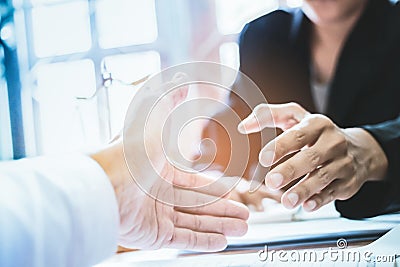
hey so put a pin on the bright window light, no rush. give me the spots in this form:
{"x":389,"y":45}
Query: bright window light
{"x":49,"y":2}
{"x":126,"y":22}
{"x":6,"y":152}
{"x":128,"y":68}
{"x":229,"y":54}
{"x":61,"y":29}
{"x":294,"y":3}
{"x":66,"y":124}
{"x":232,"y":15}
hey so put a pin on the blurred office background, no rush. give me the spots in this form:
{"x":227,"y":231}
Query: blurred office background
{"x":56,"y":51}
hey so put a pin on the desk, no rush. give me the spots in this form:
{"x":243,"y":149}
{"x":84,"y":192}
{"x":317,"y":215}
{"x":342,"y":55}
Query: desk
{"x":300,"y":236}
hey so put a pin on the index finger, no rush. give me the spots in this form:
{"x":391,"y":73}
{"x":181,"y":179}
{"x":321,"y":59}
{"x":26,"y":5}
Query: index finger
{"x":201,"y":204}
{"x":305,"y":133}
{"x":191,"y":240}
{"x":199,"y":182}
{"x":283,"y":116}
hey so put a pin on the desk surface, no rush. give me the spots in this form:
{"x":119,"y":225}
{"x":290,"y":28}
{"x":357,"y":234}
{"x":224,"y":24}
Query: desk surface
{"x":300,"y":236}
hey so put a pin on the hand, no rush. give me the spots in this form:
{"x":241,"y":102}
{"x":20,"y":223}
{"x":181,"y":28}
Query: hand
{"x":242,"y":192}
{"x":333,"y":163}
{"x":254,"y":199}
{"x":146,"y":222}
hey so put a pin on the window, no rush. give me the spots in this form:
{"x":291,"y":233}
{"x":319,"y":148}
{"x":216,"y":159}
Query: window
{"x":133,"y":17}
{"x":5,"y":127}
{"x":65,"y":47}
{"x":61,"y":114}
{"x":68,"y":42}
{"x":128,"y":67}
{"x":233,"y":14}
{"x":56,"y":33}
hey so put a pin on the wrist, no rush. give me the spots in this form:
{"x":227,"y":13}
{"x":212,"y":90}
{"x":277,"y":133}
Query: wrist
{"x":111,"y":160}
{"x":368,"y":153}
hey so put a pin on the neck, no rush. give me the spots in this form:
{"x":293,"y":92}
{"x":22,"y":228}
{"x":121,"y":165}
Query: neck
{"x":327,"y":42}
{"x":335,"y":33}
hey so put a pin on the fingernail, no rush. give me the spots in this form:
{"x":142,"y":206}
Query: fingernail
{"x":242,"y":125}
{"x":274,"y":180}
{"x":267,"y":158}
{"x":293,"y":198}
{"x":241,"y":128}
{"x":310,"y":205}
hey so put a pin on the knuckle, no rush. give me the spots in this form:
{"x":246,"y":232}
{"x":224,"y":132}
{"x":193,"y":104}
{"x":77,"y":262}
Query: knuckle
{"x":323,"y":176}
{"x":176,"y":219}
{"x":340,"y":143}
{"x":321,"y":120}
{"x":220,"y":227}
{"x":311,"y":119}
{"x":349,"y":163}
{"x":330,"y":195}
{"x":326,"y":121}
{"x":178,"y":197}
{"x":313,"y":157}
{"x":349,"y":159}
{"x":290,"y":171}
{"x":314,"y":118}
{"x":197,"y":222}
{"x":260,"y":109}
{"x":192,"y":181}
{"x":295,"y":107}
{"x":298,"y":136}
{"x":189,"y":181}
{"x":280,"y":148}
{"x":305,"y":192}
{"x":193,"y":240}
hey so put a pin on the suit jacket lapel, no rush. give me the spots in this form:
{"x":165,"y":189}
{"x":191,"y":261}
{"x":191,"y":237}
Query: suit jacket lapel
{"x":356,"y":63}
{"x":299,"y":38}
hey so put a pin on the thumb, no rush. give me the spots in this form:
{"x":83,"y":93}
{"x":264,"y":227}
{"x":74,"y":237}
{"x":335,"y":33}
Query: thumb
{"x":283,"y":116}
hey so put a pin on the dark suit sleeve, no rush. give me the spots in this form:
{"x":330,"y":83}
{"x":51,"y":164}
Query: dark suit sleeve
{"x":385,"y":195}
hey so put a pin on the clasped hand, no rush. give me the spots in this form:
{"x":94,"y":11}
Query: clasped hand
{"x":315,"y":160}
{"x":159,"y":204}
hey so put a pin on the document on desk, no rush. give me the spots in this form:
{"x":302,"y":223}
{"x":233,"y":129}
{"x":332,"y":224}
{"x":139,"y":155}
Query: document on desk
{"x":280,"y":227}
{"x":313,"y":231}
{"x":381,"y":253}
{"x":289,"y":230}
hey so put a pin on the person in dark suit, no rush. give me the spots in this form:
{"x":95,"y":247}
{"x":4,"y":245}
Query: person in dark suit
{"x":338,"y":58}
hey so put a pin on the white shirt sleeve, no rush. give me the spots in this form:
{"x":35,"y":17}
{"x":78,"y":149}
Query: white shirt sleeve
{"x":56,"y":212}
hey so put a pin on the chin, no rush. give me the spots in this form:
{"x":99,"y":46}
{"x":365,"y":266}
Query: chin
{"x":330,"y":11}
{"x":321,"y":15}
{"x":325,"y":11}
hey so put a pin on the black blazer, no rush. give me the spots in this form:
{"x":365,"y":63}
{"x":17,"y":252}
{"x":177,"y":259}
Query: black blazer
{"x":365,"y":90}
{"x":274,"y":52}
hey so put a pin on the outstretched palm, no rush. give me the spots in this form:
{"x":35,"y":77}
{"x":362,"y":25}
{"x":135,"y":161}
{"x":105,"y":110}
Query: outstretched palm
{"x":163,"y":206}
